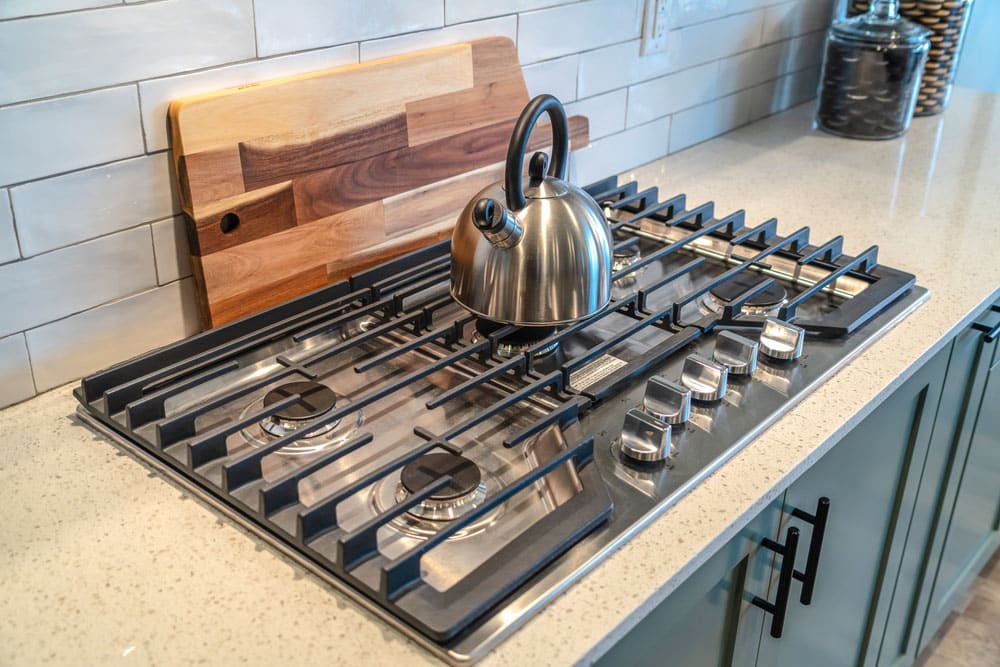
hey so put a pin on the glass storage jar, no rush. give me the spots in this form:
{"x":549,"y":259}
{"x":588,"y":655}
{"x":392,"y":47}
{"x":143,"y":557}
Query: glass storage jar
{"x":947,"y":21}
{"x":871,"y":73}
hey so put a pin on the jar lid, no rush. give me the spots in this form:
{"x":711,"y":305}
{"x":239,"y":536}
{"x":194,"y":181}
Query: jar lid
{"x":882,"y":25}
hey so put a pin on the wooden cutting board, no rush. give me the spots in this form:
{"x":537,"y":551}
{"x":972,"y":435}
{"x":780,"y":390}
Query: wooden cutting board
{"x":290,"y":184}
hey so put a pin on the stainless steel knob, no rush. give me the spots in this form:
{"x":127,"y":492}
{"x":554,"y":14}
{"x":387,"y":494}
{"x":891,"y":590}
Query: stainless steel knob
{"x":736,"y":353}
{"x":644,"y":437}
{"x":706,"y":379}
{"x":667,"y":401}
{"x":781,"y":340}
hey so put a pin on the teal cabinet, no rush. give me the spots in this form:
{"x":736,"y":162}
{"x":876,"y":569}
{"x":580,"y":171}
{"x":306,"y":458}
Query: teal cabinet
{"x":709,"y":619}
{"x":966,"y":533}
{"x":871,"y":479}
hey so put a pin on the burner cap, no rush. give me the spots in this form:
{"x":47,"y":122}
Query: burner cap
{"x":465,"y":475}
{"x":774,"y":295}
{"x":522,"y":337}
{"x":315,"y":399}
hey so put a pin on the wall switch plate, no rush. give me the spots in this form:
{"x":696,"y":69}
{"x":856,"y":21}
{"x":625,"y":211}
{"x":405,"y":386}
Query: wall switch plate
{"x":655,"y":26}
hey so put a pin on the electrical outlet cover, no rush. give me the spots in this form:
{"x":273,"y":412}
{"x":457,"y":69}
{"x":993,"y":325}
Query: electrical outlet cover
{"x":655,"y":26}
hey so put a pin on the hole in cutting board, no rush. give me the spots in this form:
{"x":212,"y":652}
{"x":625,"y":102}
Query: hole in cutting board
{"x":229,"y":223}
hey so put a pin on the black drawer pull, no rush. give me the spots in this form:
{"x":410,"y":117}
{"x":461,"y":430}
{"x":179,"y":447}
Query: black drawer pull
{"x":780,"y":605}
{"x":818,"y":522}
{"x":991,"y":332}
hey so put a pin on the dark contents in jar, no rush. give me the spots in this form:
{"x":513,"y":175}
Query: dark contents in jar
{"x":868,"y":92}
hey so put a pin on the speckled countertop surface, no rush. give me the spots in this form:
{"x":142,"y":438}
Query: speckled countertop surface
{"x":102,"y":560}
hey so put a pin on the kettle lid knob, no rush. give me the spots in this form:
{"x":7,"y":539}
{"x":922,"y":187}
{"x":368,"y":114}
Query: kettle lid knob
{"x":537,"y":167}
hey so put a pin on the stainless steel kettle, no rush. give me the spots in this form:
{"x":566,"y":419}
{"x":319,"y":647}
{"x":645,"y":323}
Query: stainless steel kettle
{"x":545,"y":257}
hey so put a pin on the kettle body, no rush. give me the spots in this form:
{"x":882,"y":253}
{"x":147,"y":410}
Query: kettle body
{"x":537,"y":255}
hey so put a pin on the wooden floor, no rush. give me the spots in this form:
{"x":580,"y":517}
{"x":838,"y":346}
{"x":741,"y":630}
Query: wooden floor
{"x":971,"y":637}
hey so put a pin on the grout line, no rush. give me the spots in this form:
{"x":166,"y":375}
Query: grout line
{"x":31,"y":365}
{"x":76,"y":170}
{"x":13,"y":223}
{"x":253,"y":24}
{"x":109,"y":4}
{"x":142,"y":123}
{"x":152,"y":248}
{"x":99,"y":237}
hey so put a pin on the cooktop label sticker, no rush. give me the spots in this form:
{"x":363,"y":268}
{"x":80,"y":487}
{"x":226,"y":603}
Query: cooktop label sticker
{"x":595,"y":371}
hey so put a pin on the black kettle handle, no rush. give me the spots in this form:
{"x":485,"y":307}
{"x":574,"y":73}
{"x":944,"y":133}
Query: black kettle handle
{"x":519,"y":144}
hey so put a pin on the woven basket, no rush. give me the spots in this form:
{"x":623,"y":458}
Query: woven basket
{"x":947,"y":20}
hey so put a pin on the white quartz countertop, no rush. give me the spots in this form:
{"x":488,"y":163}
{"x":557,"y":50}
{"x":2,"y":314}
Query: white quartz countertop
{"x":103,"y":560}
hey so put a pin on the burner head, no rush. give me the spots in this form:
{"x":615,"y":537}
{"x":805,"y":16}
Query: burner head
{"x":315,"y":399}
{"x":762,"y":303}
{"x":466,"y":477}
{"x":517,"y":342}
{"x":621,"y":260}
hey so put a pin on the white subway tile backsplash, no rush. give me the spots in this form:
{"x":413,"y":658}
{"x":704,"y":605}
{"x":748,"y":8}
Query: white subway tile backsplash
{"x":769,"y":62}
{"x":785,"y":92}
{"x":50,"y":286}
{"x":70,"y":52}
{"x":703,"y":122}
{"x":457,"y":11}
{"x":295,"y":25}
{"x":84,"y":204}
{"x":606,"y":112}
{"x":559,"y":31}
{"x":715,"y":39}
{"x":8,"y":239}
{"x":43,"y":138}
{"x":621,"y":152}
{"x":620,"y":65}
{"x":555,"y":77}
{"x":170,"y":246}
{"x":155,"y":95}
{"x":790,"y":19}
{"x":15,"y":371}
{"x":671,"y":93}
{"x":12,"y":9}
{"x":84,"y":343}
{"x":505,"y":26}
{"x":688,"y":12}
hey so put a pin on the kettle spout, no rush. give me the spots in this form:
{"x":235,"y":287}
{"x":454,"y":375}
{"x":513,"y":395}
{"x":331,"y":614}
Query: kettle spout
{"x":496,"y":223}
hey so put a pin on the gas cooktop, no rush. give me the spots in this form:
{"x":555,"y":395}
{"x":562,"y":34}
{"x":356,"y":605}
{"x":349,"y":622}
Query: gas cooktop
{"x":454,"y":474}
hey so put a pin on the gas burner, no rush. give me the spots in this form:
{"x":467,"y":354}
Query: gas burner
{"x":464,"y":493}
{"x":315,"y":399}
{"x":765,"y":303}
{"x":359,"y":326}
{"x":517,"y":342}
{"x":621,"y":260}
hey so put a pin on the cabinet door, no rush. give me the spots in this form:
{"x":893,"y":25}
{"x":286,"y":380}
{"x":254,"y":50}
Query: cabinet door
{"x":968,"y":523}
{"x":708,"y":621}
{"x":871,"y":478}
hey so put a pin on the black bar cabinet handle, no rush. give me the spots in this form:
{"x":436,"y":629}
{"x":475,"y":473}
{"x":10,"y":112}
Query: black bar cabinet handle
{"x":991,"y":332}
{"x":778,"y":608}
{"x":818,"y":522}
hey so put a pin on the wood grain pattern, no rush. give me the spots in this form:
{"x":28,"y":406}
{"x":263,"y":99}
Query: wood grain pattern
{"x":330,"y":191}
{"x":436,"y":202}
{"x":441,"y":116}
{"x":358,"y":261}
{"x":494,"y":59}
{"x":257,"y":296}
{"x":279,"y":256}
{"x":271,"y":108}
{"x":209,"y":176}
{"x":274,"y":159}
{"x":334,"y":171}
{"x":258,"y":214}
